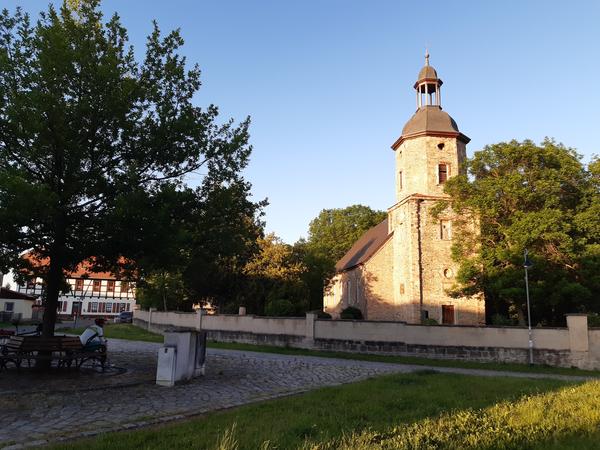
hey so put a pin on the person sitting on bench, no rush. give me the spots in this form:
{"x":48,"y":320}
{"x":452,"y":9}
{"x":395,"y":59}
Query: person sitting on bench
{"x":92,"y":337}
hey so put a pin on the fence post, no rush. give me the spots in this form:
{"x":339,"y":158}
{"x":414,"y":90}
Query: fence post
{"x":150,"y":310}
{"x":578,"y":340}
{"x":199,"y":315}
{"x":310,"y":328}
{"x":578,"y":332}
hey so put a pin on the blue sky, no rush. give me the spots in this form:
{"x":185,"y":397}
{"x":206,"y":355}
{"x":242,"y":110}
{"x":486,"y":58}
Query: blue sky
{"x":328,"y":83}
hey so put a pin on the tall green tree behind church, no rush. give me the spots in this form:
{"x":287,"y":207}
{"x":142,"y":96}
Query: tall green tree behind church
{"x":330,"y":235}
{"x":85,"y":129}
{"x":536,"y":197}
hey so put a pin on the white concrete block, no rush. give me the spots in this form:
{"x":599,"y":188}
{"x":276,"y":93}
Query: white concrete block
{"x":165,"y":369}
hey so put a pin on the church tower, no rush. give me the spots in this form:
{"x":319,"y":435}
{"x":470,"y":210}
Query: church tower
{"x":402,"y":269}
{"x":430,"y":150}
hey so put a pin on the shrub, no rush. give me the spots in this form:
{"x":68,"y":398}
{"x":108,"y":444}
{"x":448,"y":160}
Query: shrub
{"x":323,"y":315}
{"x":351,"y":313}
{"x":429,"y":322}
{"x":280,"y":308}
{"x":500,"y":320}
{"x":594,"y":320}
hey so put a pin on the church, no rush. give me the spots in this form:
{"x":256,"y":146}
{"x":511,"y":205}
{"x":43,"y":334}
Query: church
{"x":401,"y":269}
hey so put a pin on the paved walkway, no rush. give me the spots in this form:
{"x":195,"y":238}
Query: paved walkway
{"x":37,"y":411}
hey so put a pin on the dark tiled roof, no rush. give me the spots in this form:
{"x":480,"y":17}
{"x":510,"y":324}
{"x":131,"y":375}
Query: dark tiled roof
{"x":430,"y":119}
{"x":14,"y":295}
{"x":427,"y":72}
{"x":365,"y":247}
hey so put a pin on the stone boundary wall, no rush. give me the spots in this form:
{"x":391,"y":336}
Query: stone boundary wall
{"x":574,"y":346}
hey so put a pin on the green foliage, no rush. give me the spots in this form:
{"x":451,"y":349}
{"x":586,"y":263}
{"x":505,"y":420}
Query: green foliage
{"x":323,"y":315}
{"x":594,"y":320}
{"x":500,"y":320}
{"x":351,"y":313}
{"x":280,"y":308}
{"x":94,"y":148}
{"x":429,"y":321}
{"x":540,"y":198}
{"x":331,"y":234}
{"x":274,"y":284}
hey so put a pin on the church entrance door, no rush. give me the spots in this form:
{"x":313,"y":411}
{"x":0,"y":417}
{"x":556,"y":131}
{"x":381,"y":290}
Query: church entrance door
{"x":448,"y":314}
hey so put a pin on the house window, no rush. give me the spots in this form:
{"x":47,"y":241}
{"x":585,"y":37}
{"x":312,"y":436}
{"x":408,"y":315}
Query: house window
{"x":94,"y":307}
{"x":124,"y":286}
{"x":442,"y":173}
{"x":59,"y":306}
{"x":89,"y":308}
{"x":109,"y":307}
{"x":9,"y":306}
{"x":400,"y":180}
{"x":110,"y":286}
{"x":64,"y":306}
{"x":79,"y":285}
{"x":96,"y":285}
{"x":445,"y":230}
{"x":127,"y":306}
{"x":30,"y":285}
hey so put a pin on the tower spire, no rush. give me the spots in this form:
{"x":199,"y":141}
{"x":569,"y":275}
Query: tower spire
{"x":426,"y":56}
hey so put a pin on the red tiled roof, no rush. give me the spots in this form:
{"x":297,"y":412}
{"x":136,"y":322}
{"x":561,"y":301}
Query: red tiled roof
{"x":83,"y":270}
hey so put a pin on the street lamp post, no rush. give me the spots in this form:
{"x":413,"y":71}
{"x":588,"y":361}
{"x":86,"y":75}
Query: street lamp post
{"x":527,"y":264}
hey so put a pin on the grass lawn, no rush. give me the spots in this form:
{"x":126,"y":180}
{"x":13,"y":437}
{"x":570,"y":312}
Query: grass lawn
{"x":121,"y":331}
{"x":420,"y":410}
{"x":134,"y":333}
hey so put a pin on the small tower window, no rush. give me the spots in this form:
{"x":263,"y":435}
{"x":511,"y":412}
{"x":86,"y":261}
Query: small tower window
{"x":442,"y":173}
{"x":445,"y":230}
{"x":441,"y":146}
{"x":400,"y":180}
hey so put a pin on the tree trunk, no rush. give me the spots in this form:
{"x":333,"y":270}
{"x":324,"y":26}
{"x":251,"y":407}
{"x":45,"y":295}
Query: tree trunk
{"x":54,"y":280}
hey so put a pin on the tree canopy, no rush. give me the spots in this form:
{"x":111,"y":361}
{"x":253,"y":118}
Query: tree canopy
{"x":87,"y":133}
{"x":330,"y":235}
{"x":536,"y":197}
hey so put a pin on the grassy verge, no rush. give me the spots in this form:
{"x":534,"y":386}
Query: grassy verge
{"x":479,"y":412}
{"x":569,"y":418}
{"x":121,"y":331}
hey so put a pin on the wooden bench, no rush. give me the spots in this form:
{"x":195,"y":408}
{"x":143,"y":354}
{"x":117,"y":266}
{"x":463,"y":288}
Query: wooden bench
{"x":66,"y":350}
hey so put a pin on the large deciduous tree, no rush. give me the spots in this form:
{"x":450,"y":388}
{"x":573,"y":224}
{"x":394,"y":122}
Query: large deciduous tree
{"x":536,"y":197}
{"x":85,"y":130}
{"x":330,"y":235}
{"x":274,"y":283}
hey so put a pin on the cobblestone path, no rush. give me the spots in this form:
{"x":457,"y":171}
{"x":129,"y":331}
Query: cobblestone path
{"x":85,"y":404}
